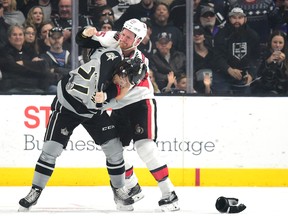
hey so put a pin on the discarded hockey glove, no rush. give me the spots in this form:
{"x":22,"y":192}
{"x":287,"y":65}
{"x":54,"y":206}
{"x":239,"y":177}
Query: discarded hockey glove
{"x":229,"y":205}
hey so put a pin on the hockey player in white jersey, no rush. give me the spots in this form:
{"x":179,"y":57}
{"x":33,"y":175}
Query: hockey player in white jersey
{"x":136,"y":111}
{"x":75,"y":105}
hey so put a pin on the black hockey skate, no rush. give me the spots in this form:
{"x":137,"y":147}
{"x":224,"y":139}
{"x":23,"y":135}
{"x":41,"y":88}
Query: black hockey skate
{"x":170,"y":203}
{"x":136,"y":193}
{"x":122,"y":199}
{"x":30,"y":199}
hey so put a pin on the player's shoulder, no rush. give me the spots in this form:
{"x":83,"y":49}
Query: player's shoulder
{"x":140,"y":55}
{"x":106,"y":53}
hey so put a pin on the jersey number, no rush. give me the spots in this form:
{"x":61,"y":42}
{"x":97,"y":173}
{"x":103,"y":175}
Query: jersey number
{"x":85,"y":76}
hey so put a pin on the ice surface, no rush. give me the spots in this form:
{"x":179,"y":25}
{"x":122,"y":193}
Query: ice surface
{"x":98,"y":201}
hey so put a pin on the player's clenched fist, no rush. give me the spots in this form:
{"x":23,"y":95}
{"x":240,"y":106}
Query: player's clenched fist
{"x":100,"y":97}
{"x":89,"y":31}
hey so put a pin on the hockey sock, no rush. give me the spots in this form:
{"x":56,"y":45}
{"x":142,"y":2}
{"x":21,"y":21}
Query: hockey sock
{"x":130,"y":177}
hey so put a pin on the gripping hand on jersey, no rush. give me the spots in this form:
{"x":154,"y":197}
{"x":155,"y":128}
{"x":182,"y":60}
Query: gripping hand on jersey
{"x":100,"y":97}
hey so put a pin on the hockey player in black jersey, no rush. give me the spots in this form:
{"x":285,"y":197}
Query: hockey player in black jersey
{"x":75,"y":105}
{"x":136,"y":112}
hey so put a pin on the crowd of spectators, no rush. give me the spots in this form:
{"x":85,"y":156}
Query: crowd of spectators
{"x":240,"y":46}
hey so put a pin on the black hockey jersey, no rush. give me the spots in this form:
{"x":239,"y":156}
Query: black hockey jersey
{"x":76,"y":91}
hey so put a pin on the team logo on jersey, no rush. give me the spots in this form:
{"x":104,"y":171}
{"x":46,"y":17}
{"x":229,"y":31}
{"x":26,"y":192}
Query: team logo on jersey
{"x":239,"y":50}
{"x":64,"y":131}
{"x":138,"y":129}
{"x":111,"y":56}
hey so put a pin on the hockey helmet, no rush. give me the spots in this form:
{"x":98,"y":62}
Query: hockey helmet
{"x":137,"y":27}
{"x":134,"y":69}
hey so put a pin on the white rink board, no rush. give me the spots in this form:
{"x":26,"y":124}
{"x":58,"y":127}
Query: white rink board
{"x":192,"y":132}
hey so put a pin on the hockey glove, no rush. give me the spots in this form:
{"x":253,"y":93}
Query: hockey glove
{"x":229,"y":205}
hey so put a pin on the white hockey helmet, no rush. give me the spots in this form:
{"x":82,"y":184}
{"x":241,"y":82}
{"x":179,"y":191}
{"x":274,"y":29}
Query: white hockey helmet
{"x":137,"y":27}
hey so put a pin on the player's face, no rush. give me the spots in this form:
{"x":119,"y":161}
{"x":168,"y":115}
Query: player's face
{"x":126,"y":39}
{"x":121,"y":81}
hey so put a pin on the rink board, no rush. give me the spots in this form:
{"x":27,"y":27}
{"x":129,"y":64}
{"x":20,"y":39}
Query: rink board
{"x":179,"y":177}
{"x":206,"y":141}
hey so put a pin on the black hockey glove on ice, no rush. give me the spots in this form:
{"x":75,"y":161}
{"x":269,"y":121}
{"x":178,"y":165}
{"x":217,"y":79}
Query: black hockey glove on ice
{"x":229,"y":205}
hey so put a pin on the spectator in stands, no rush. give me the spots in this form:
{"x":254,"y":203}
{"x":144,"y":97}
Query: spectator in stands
{"x":208,"y":22}
{"x":30,"y":40}
{"x":279,"y":3}
{"x":94,"y":6}
{"x":273,"y":72}
{"x":180,"y":83}
{"x":64,"y":20}
{"x":49,"y":7}
{"x":160,"y":23}
{"x":236,"y":53}
{"x":120,"y":6}
{"x":105,"y":13}
{"x":166,"y":60}
{"x":283,"y":11}
{"x":29,"y":33}
{"x":35,"y":17}
{"x":178,"y":14}
{"x":145,"y":8}
{"x":11,"y":15}
{"x":262,"y":16}
{"x":102,"y":17}
{"x":203,"y":62}
{"x":57,"y":58}
{"x":152,"y":78}
{"x":106,"y":25}
{"x":22,"y":71}
{"x":43,"y":41}
{"x":3,"y":28}
{"x":146,"y":46}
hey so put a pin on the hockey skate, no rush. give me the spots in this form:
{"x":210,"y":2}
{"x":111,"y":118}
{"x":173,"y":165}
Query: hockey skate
{"x":30,"y":199}
{"x":136,"y":193}
{"x":169,"y":203}
{"x":122,"y":199}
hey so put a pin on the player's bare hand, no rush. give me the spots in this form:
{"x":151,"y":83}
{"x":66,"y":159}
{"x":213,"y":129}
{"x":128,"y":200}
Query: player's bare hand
{"x":99,"y":97}
{"x":89,"y":31}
